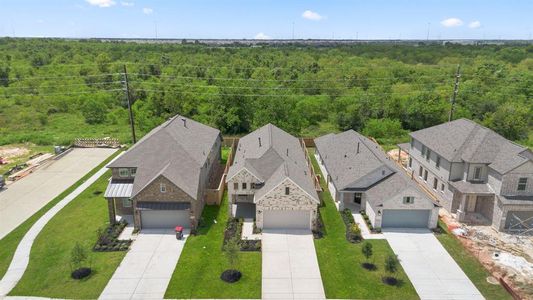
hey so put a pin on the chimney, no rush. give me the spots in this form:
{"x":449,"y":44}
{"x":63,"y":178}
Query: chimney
{"x":259,"y":142}
{"x":184,"y":122}
{"x":357,"y":147}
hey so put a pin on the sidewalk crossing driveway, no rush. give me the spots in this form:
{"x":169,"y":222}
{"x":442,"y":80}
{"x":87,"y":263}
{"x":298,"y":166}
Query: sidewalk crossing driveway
{"x":147,"y":268}
{"x":432,"y":271}
{"x":289,"y":266}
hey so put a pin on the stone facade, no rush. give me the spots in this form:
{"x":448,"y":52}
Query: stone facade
{"x":276,"y":199}
{"x":152,"y":193}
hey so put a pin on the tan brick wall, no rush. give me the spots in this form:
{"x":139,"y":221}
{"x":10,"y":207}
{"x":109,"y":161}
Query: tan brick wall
{"x":277,"y":200}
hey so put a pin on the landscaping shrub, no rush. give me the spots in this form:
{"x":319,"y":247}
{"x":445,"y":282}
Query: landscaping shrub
{"x":234,"y":230}
{"x":107,"y":239}
{"x":353,"y":232}
{"x":318,"y":233}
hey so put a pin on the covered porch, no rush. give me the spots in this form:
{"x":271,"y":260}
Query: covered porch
{"x":474,"y":202}
{"x":352,"y":200}
{"x":120,"y":205}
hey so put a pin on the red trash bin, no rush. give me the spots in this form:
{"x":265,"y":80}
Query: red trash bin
{"x":179,"y":232}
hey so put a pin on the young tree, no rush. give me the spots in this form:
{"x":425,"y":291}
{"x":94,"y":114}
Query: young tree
{"x":391,"y":266}
{"x":367,"y":250}
{"x":78,"y":256}
{"x":231,"y":250}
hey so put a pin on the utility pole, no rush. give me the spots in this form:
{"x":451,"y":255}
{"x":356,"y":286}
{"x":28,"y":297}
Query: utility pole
{"x":455,"y":91}
{"x":128,"y":98}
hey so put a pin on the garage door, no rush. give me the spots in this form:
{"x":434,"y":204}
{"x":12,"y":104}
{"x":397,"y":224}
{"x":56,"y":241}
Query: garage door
{"x":405,"y":218}
{"x":165,"y":218}
{"x":287,"y":219}
{"x":519,"y":220}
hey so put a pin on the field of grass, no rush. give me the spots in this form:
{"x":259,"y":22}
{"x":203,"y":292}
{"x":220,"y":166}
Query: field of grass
{"x":48,"y":273}
{"x":340,"y":261}
{"x":471,"y":266}
{"x":9,"y":243}
{"x":197,"y":274}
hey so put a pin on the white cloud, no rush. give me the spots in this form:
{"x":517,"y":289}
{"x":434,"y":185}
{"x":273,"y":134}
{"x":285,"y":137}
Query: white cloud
{"x":262,"y":36}
{"x":101,"y":3}
{"x":124,"y":3}
{"x":452,"y":22}
{"x":311,"y":15}
{"x":474,"y":24}
{"x":147,"y":11}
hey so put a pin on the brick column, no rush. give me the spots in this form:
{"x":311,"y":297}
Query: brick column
{"x":111,"y":210}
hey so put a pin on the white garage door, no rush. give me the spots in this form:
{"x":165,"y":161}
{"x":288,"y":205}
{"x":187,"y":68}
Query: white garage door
{"x":403,"y":218}
{"x":287,"y":219}
{"x":165,"y":218}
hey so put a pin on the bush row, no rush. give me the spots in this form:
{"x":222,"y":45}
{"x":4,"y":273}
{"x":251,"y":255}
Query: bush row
{"x":368,"y":223}
{"x":353,"y":232}
{"x":234,"y":229}
{"x":107,"y":239}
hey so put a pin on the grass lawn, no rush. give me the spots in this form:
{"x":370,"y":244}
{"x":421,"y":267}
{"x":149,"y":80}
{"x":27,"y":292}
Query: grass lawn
{"x":48,"y":273}
{"x":197,"y":274}
{"x":9,"y":243}
{"x":340,"y":261}
{"x":471,"y":266}
{"x":224,"y":155}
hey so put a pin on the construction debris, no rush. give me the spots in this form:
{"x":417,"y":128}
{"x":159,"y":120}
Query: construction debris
{"x":106,"y":142}
{"x":516,"y":263}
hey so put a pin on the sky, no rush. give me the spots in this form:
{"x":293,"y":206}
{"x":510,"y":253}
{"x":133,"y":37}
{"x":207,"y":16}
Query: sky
{"x":261,"y":19}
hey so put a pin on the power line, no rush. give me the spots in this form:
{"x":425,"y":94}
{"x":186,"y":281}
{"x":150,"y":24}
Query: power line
{"x":61,"y":85}
{"x":58,"y":77}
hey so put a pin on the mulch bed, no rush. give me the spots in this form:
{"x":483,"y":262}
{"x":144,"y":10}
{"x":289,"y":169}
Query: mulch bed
{"x":369,"y":266}
{"x":81,"y":273}
{"x":231,"y":276}
{"x":108,"y":239}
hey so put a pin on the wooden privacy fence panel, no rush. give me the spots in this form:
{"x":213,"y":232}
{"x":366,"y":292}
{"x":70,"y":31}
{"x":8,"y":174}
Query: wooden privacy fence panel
{"x":97,"y":143}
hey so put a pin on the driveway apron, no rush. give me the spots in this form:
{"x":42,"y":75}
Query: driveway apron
{"x":432,"y":271}
{"x":147,"y":268}
{"x":290,"y":266}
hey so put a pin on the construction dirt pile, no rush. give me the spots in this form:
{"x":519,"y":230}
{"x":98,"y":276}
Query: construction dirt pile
{"x":13,"y":152}
{"x":404,"y":157}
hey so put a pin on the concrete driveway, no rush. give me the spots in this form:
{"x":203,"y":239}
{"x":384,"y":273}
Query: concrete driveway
{"x":26,"y":196}
{"x":290,"y":267}
{"x":147,"y":268}
{"x":432,"y":271}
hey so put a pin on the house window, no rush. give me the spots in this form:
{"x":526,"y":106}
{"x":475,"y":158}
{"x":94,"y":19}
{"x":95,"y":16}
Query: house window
{"x":477,"y":173}
{"x":442,"y":187}
{"x":428,"y":154}
{"x":357,"y":198}
{"x":423,"y":150}
{"x":435,"y":183}
{"x":412,"y":143}
{"x":420,"y":170}
{"x":126,"y":202}
{"x":244,"y":185}
{"x":287,"y":190}
{"x":133,"y":171}
{"x":235,"y":185}
{"x":425,"y":175}
{"x":408,"y":200}
{"x":122,"y":172}
{"x":437,"y":162}
{"x":163,"y":188}
{"x":522,"y":182}
{"x":410,"y":162}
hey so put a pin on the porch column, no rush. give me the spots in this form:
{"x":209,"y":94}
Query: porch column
{"x":461,"y":212}
{"x":111,"y":210}
{"x":341,"y":201}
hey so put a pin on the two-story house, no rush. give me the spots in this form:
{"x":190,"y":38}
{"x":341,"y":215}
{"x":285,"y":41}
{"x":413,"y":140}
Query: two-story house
{"x":360,"y":176}
{"x":160,"y":182}
{"x":270,"y":180}
{"x":476,"y":173}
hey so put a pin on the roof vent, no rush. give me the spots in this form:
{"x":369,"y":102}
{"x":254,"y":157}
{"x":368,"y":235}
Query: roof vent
{"x":345,"y":155}
{"x":259,"y":142}
{"x":184,"y":122}
{"x":357,"y":147}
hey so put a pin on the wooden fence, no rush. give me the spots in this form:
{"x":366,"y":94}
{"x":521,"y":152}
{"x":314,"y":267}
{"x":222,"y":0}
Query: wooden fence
{"x":97,"y":143}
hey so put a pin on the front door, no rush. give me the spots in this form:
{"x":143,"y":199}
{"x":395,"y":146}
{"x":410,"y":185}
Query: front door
{"x":471,"y":204}
{"x":357,"y":198}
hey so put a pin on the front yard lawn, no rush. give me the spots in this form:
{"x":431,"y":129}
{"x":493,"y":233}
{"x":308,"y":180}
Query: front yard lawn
{"x":197,"y":274}
{"x":48,"y":273}
{"x":471,"y":266}
{"x":9,"y":243}
{"x":340,"y":261}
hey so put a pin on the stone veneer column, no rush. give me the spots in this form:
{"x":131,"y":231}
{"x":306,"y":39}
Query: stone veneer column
{"x":111,"y":210}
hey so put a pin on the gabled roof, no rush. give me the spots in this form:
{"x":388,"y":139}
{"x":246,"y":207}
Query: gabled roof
{"x":353,"y":161}
{"x":176,"y":150}
{"x":273,"y":155}
{"x":465,"y":140}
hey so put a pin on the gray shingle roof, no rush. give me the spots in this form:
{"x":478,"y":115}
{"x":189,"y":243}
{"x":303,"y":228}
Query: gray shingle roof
{"x":177,"y":150}
{"x":368,"y":170}
{"x":273,"y":155}
{"x":348,"y":168}
{"x":465,"y":140}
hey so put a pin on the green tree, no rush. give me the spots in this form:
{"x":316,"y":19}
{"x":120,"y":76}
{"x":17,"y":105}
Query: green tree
{"x":78,"y":256}
{"x":94,"y":111}
{"x":511,"y":120}
{"x":367,"y":250}
{"x":231,"y":251}
{"x":383,"y":128}
{"x":391,"y":264}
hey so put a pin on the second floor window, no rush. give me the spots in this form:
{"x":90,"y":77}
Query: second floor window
{"x":435,"y":183}
{"x":420,"y":170}
{"x":235,"y":185}
{"x":423,"y":150}
{"x":287,"y":190}
{"x":133,"y":171}
{"x":425,"y":175}
{"x":477,"y":173}
{"x":410,"y":162}
{"x":442,"y":187}
{"x":437,"y":162}
{"x":408,"y":200}
{"x":428,"y":154}
{"x":522,"y":183}
{"x":123,"y":172}
{"x":244,"y":186}
{"x":163,"y":188}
